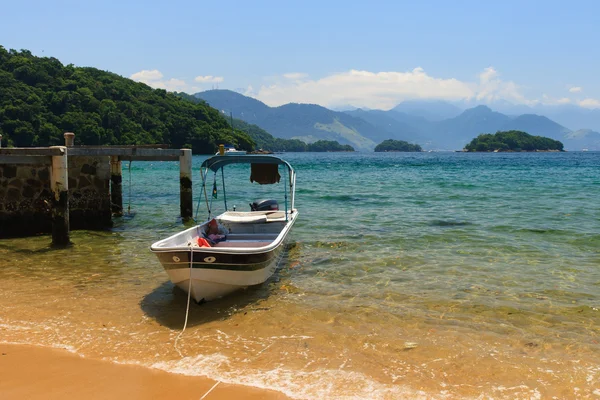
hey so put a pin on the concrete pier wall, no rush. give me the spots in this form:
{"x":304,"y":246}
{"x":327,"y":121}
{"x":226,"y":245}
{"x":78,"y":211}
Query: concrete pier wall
{"x":25,"y":200}
{"x":55,"y":189}
{"x":26,"y":196}
{"x":89,"y":193}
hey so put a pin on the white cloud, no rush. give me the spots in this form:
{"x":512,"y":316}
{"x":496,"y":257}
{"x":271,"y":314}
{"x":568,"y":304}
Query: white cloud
{"x":492,"y":88}
{"x":209,"y":79}
{"x":384,"y":90}
{"x":146,"y":76}
{"x":154,"y":79}
{"x":295,"y":75}
{"x":589,"y":103}
{"x":376,"y":90}
{"x":553,"y":101}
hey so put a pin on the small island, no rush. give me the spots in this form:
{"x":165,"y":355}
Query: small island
{"x":514,"y":141}
{"x":397,"y":145}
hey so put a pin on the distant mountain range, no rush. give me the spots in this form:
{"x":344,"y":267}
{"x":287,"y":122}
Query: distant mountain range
{"x":435,"y":125}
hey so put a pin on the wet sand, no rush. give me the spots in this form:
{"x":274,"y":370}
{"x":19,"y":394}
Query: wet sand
{"x":30,"y":372}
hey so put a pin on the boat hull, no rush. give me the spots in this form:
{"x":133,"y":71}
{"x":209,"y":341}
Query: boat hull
{"x":244,"y":259}
{"x":215,"y":279}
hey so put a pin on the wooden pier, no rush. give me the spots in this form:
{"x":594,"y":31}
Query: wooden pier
{"x":57,"y":158}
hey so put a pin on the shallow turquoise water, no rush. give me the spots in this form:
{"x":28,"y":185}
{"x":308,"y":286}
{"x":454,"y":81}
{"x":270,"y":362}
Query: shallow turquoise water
{"x":429,"y":274}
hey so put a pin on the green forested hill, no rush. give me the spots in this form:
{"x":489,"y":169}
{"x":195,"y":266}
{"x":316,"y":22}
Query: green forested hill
{"x":40,"y":99}
{"x":397,"y":145}
{"x":513,"y":141}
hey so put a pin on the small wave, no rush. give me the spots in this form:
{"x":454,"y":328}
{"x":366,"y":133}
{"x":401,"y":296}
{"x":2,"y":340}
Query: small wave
{"x":319,"y":384}
{"x":540,"y":230}
{"x":441,"y":222}
{"x":341,"y":197}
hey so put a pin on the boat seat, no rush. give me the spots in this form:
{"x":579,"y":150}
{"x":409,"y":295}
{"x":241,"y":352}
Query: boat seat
{"x":243,"y":218}
{"x":252,"y":236}
{"x":242,"y":244}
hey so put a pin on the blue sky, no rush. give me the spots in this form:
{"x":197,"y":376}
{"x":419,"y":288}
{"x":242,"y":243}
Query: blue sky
{"x":372,"y":54}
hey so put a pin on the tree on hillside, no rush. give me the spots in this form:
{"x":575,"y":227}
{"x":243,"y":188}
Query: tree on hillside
{"x":397,"y":145}
{"x":40,"y":99}
{"x":513,"y":141}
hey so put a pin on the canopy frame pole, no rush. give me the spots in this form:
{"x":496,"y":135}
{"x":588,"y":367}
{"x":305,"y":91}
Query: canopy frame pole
{"x":224,"y":194}
{"x":212,"y":197}
{"x":286,"y":198}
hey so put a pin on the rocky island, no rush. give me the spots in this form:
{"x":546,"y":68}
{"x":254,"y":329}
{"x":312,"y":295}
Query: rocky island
{"x":515,"y":141}
{"x":397,"y":145}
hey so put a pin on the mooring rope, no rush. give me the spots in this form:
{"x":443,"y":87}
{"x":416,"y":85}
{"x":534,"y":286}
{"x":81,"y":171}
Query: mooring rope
{"x":129,"y":205}
{"x":210,"y":390}
{"x":187,"y":309}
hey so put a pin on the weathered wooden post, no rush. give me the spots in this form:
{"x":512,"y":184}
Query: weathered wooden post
{"x":59,"y":184}
{"x":185,"y":184}
{"x":116,"y":186}
{"x":69,"y":139}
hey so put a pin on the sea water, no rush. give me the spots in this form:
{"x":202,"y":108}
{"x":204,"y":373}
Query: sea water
{"x":408,"y":275}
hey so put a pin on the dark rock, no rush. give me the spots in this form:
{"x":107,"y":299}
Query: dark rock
{"x":16,"y":183}
{"x":88,"y":169}
{"x":83,"y":182}
{"x":34,"y":183}
{"x":9,"y":171}
{"x":11,"y":206}
{"x":46,"y":194}
{"x":29,"y":192}
{"x":13,"y":194}
{"x":44,"y":174}
{"x":101,"y":184}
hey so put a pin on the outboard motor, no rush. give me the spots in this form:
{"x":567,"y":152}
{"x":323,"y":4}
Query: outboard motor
{"x":264,"y":205}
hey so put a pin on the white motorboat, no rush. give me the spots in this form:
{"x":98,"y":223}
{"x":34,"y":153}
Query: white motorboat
{"x":250,"y":243}
{"x":231,"y":151}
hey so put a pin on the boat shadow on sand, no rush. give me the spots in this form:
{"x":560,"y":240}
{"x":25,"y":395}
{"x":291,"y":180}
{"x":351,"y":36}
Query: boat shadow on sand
{"x":167,"y":304}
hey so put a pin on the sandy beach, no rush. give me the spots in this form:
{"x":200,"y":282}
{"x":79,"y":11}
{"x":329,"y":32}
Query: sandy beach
{"x":31,"y":372}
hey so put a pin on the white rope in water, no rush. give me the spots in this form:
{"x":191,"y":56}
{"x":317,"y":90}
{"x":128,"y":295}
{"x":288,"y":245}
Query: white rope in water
{"x":215,"y":385}
{"x":187,"y":313}
{"x":187,"y":310}
{"x":210,"y":390}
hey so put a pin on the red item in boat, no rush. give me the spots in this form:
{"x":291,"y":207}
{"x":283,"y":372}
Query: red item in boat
{"x":203,"y":242}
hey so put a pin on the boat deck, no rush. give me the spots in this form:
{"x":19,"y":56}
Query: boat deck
{"x":247,"y":240}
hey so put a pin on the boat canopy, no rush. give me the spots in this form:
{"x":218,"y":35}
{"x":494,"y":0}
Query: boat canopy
{"x":217,"y":162}
{"x":260,"y":172}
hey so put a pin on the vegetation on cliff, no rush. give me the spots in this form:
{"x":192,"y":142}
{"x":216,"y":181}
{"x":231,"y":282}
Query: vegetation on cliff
{"x":40,"y":99}
{"x":513,"y":141}
{"x":397,"y":145}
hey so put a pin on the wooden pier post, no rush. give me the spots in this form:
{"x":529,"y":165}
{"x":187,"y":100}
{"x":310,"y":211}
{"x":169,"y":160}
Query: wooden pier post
{"x":59,"y":183}
{"x":185,"y":185}
{"x":116,"y":186}
{"x":69,"y":139}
